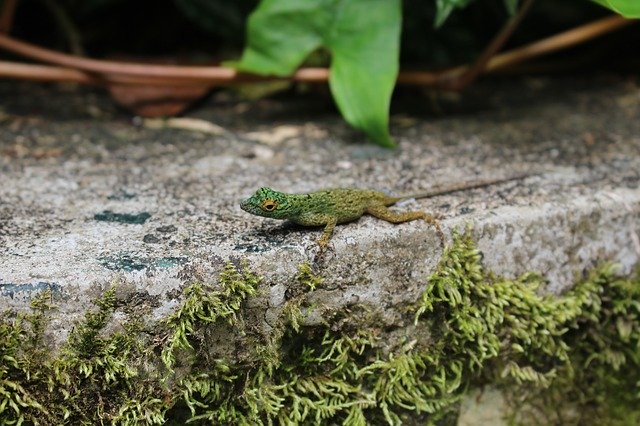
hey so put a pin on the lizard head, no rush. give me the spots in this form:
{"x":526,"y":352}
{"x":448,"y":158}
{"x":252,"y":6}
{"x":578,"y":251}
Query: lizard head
{"x":268,"y":203}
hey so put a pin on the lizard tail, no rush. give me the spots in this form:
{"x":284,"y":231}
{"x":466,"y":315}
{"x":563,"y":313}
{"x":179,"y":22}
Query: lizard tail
{"x":465,"y":186}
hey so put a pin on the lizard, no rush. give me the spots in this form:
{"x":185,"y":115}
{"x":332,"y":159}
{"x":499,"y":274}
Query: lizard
{"x":329,"y":207}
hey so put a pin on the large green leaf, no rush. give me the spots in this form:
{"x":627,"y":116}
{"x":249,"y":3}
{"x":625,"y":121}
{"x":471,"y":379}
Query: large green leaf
{"x":626,"y":8}
{"x":363,"y":37}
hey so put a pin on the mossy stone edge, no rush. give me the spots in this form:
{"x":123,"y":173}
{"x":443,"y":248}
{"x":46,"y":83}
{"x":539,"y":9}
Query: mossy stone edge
{"x":570,"y":359}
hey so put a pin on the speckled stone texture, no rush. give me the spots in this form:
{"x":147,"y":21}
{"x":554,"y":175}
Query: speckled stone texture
{"x":89,"y":196}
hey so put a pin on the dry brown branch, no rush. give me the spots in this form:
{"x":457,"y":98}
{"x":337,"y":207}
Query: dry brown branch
{"x":455,"y":81}
{"x":563,"y":40}
{"x":560,"y":41}
{"x":45,"y":73}
{"x":165,"y":73}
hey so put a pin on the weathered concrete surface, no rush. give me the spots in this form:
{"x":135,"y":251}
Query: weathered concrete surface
{"x":70,"y":162}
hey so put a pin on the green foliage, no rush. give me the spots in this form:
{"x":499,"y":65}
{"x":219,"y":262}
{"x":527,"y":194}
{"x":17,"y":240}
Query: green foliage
{"x":576,"y":355}
{"x":363,"y":37}
{"x":89,"y":381}
{"x":17,"y":402}
{"x":600,"y":383}
{"x":208,"y":389}
{"x":626,"y":8}
{"x":490,"y":318}
{"x":204,"y":305}
{"x":307,"y":278}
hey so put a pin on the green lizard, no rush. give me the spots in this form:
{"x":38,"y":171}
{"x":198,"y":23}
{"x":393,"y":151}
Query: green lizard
{"x":329,"y":207}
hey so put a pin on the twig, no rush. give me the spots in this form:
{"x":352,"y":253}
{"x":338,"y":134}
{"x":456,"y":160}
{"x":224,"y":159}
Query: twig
{"x":54,"y":73}
{"x":551,"y":44}
{"x":560,"y":41}
{"x":45,"y":73}
{"x":35,"y":72}
{"x":6,"y":16}
{"x":197,"y":74}
{"x":185,"y":123}
{"x":455,"y":81}
{"x":213,"y":74}
{"x":66,"y":25}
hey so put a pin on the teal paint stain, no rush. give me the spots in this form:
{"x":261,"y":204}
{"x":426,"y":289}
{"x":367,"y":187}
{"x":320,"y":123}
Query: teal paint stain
{"x":251,"y":248}
{"x":168,"y":262}
{"x":121,"y":195}
{"x":129,"y":263}
{"x":123,"y":262}
{"x":12,"y":289}
{"x":132,"y":219}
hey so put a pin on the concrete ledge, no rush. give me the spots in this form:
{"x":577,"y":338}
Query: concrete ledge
{"x":63,"y":222}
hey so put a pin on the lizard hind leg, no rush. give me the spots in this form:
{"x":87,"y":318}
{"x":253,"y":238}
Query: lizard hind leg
{"x":382,"y":212}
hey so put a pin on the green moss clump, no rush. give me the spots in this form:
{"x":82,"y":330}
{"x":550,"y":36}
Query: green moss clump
{"x":599,"y":383}
{"x":570,"y":359}
{"x":93,"y":378}
{"x":23,"y":333}
{"x":205,"y":305}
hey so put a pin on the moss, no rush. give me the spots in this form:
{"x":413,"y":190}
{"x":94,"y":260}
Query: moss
{"x":93,"y":377}
{"x":570,"y":359}
{"x":600,"y":381}
{"x":204,"y":305}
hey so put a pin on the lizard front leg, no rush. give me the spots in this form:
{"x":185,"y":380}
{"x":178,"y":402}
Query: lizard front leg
{"x":382,"y":212}
{"x":328,"y":230}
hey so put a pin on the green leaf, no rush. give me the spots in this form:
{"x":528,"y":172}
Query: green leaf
{"x":445,"y":7}
{"x":512,"y":6}
{"x":363,"y":37}
{"x":626,"y":8}
{"x":366,"y":46}
{"x":282,"y":33}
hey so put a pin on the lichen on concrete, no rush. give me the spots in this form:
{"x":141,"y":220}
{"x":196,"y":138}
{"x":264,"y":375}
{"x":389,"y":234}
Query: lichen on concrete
{"x":577,"y":353}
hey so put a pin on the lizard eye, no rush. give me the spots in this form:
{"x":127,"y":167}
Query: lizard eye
{"x":269,"y":205}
